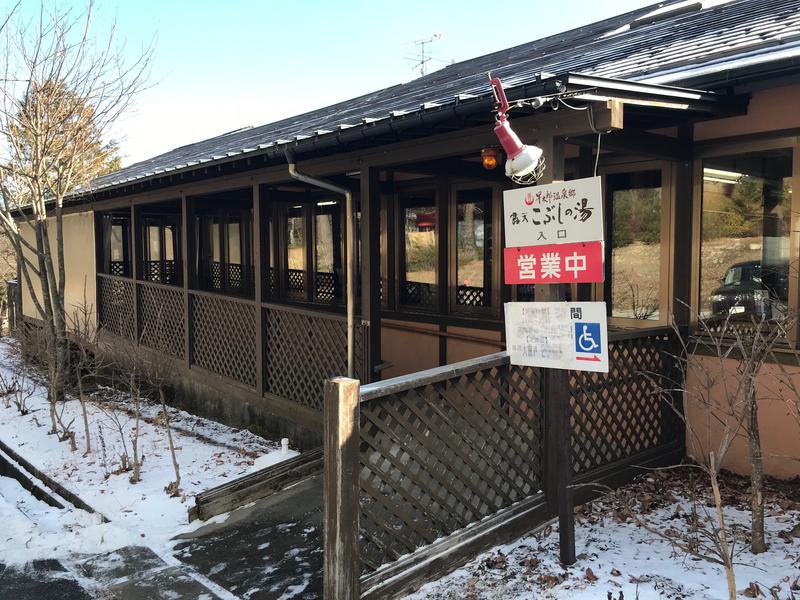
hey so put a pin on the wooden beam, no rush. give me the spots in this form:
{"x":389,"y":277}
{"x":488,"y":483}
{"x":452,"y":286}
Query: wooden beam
{"x":463,"y":141}
{"x":639,"y":142}
{"x":454,"y":167}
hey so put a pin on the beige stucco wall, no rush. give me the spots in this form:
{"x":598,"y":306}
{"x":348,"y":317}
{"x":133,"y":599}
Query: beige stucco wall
{"x":79,"y":263}
{"x":779,"y":424}
{"x":769,"y":110}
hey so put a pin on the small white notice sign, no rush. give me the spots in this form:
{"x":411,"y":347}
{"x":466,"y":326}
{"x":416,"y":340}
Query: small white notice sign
{"x":558,"y":335}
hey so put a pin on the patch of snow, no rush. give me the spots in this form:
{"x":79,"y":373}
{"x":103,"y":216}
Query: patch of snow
{"x":33,"y":529}
{"x":208,"y":453}
{"x":615,"y":556}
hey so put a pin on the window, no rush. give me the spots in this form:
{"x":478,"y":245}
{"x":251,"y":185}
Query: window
{"x":160,"y":234}
{"x":328,"y":271}
{"x":635,"y":220}
{"x":115,"y":252}
{"x":473,"y":247}
{"x":296,"y":253}
{"x":419,"y":251}
{"x":745,"y":225}
{"x":225,"y":257}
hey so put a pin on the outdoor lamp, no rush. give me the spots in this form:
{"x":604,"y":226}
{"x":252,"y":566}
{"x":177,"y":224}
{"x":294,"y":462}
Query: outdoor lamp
{"x":490,"y":157}
{"x":525,"y":164}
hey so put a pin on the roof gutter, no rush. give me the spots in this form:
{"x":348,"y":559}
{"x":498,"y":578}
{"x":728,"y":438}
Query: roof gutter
{"x":350,"y":231}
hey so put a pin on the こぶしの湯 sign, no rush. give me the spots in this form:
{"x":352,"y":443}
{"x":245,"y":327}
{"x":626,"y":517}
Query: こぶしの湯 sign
{"x":555,"y":213}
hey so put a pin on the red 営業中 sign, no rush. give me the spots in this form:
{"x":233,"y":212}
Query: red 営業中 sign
{"x":580,"y":262}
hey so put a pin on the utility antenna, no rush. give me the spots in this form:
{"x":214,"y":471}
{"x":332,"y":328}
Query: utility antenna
{"x":424,"y":57}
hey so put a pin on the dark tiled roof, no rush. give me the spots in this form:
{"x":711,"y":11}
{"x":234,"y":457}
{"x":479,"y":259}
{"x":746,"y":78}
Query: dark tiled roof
{"x":662,"y":43}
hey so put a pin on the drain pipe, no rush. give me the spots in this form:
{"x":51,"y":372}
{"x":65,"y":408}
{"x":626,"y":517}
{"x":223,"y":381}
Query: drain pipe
{"x":350,"y":232}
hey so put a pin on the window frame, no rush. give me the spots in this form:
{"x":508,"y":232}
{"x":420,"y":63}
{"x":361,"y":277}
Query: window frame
{"x":709,"y":149}
{"x":666,"y":271}
{"x":312,"y":243}
{"x":493,"y":308}
{"x":203,"y":216}
{"x":404,"y":199}
{"x":162,"y":221}
{"x":105,"y":222}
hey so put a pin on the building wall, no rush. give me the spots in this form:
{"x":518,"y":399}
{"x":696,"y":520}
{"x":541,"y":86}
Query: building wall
{"x":779,"y":423}
{"x":411,"y":346}
{"x":769,"y":110}
{"x":79,"y":264}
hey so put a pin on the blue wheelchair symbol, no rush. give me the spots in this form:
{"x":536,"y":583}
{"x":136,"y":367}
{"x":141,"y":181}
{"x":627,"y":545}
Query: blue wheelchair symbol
{"x":587,"y":338}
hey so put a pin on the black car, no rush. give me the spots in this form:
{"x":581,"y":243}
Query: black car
{"x":750,"y":289}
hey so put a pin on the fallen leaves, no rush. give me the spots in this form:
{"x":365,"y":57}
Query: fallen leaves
{"x":752,"y":591}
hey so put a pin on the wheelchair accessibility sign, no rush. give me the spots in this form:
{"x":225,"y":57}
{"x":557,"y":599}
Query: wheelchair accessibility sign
{"x":558,"y":335}
{"x":588,"y":341}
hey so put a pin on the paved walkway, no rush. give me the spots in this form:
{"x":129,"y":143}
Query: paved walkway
{"x":268,"y":551}
{"x":42,"y":580}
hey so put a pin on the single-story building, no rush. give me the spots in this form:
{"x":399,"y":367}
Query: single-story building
{"x":213,"y":255}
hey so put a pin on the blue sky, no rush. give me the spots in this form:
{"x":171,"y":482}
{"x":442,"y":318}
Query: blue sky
{"x":221,"y":65}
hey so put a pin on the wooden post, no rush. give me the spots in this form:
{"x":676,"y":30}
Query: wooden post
{"x":134,"y":245}
{"x":682,"y":226}
{"x":371,"y":268}
{"x":258,"y":283}
{"x":557,"y":394}
{"x":187,"y":253}
{"x":342,"y":564}
{"x":560,"y":447}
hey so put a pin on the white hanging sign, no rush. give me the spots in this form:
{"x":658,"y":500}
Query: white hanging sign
{"x":558,"y":335}
{"x":555,"y":213}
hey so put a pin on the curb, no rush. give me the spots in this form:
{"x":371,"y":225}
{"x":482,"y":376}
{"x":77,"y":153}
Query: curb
{"x":16,"y":468}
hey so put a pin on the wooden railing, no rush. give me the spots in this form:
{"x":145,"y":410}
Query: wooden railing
{"x":221,"y":334}
{"x":441,"y":464}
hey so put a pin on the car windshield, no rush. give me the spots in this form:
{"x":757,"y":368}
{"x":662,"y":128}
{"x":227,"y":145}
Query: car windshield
{"x":748,"y":273}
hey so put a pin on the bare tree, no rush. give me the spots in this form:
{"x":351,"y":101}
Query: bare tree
{"x":718,"y":370}
{"x":63,"y":89}
{"x":156,"y":373}
{"x":87,"y":356}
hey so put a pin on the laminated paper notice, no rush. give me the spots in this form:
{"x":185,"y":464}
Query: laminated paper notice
{"x":558,"y":335}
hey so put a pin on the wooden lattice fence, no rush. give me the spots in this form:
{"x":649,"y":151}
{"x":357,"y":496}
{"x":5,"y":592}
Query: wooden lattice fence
{"x":220,"y":334}
{"x":116,"y":310}
{"x":161,"y":311}
{"x":618,"y":414}
{"x":437,"y":456}
{"x":303,"y":348}
{"x":224,"y":337}
{"x":444,"y":463}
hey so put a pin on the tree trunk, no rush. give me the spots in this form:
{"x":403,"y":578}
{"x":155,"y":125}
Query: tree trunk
{"x":758,"y":543}
{"x":723,"y":534}
{"x":83,"y":411}
{"x":174,"y":487}
{"x":136,"y":465}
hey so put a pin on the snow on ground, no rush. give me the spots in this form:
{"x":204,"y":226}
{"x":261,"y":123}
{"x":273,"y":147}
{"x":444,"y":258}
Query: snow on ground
{"x":209,"y":454}
{"x":32,"y":529}
{"x":619,"y":560}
